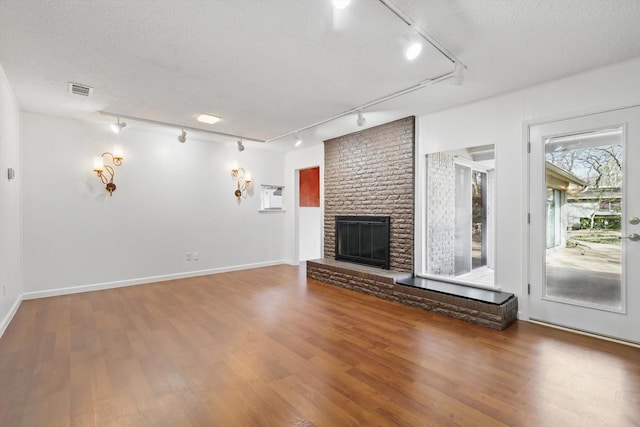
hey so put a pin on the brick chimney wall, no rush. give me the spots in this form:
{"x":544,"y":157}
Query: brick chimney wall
{"x":372,"y":173}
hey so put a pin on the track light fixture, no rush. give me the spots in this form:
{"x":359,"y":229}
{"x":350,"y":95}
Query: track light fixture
{"x":244,"y":182}
{"x":361,"y":120}
{"x":105,"y":172}
{"x":117,"y":127}
{"x":413,"y":50}
{"x":182,"y":137}
{"x":240,"y":145}
{"x":413,"y":42}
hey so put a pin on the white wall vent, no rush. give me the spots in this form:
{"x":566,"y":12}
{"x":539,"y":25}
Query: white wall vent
{"x":78,"y":89}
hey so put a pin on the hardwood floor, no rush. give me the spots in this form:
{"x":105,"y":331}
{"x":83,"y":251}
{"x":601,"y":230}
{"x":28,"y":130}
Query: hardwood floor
{"x":267,"y":347}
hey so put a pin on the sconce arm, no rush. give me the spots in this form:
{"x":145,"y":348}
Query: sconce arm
{"x":117,"y":161}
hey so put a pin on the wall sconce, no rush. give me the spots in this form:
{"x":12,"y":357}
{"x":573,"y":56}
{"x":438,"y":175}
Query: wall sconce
{"x":244,"y":182}
{"x":106,"y":172}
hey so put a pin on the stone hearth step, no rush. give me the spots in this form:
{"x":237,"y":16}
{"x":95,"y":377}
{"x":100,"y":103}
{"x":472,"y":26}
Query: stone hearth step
{"x":476,"y":294}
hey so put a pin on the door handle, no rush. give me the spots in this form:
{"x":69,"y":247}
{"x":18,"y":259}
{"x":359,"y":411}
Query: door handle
{"x":634,"y":220}
{"x":634,"y":237}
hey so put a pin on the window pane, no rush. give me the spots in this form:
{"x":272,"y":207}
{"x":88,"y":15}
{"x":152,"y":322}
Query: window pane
{"x":584,"y":199}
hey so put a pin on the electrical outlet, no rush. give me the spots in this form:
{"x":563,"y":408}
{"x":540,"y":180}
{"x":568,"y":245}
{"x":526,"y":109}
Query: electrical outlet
{"x":195,"y":256}
{"x":188,"y":256}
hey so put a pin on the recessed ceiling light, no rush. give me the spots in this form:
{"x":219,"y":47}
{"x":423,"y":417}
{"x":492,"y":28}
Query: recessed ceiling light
{"x":208,"y":118}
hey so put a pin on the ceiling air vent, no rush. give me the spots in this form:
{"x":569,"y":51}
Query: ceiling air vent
{"x":78,"y":89}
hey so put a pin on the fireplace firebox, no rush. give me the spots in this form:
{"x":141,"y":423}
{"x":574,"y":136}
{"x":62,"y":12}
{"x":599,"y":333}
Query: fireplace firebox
{"x":363,"y":240}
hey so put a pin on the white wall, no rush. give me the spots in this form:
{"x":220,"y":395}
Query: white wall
{"x":301,"y":158}
{"x":502,"y":121}
{"x":309,"y":232}
{"x":10,"y":205}
{"x":171,"y":199}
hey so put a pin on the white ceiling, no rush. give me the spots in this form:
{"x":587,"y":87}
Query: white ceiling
{"x":271,"y":67}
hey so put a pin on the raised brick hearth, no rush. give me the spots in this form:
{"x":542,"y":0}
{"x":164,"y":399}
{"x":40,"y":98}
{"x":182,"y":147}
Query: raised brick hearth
{"x":472,"y":307}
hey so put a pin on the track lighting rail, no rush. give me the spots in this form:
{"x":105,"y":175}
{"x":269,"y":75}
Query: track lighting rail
{"x":369,"y":104}
{"x":177,"y":126}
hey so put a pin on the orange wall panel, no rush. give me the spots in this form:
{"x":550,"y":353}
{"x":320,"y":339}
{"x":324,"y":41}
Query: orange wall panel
{"x":310,"y":187}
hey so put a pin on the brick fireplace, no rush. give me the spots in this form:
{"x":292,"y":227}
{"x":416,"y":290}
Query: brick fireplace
{"x":371,"y":173}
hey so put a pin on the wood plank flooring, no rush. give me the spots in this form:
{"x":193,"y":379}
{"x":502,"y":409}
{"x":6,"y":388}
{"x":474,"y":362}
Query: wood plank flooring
{"x":267,"y":347}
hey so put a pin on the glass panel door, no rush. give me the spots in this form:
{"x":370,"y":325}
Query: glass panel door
{"x":584,"y":237}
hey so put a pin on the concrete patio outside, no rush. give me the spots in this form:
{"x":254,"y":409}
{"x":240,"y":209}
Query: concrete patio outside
{"x":589,"y":272}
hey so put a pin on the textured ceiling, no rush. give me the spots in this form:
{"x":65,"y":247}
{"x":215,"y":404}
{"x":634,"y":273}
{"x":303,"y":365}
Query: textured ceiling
{"x":270,"y":67}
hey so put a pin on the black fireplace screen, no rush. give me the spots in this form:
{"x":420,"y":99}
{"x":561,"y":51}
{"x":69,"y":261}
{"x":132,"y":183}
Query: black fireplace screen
{"x":363,"y":240}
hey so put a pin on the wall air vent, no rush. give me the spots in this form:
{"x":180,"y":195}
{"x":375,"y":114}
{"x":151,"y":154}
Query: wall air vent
{"x":78,"y":89}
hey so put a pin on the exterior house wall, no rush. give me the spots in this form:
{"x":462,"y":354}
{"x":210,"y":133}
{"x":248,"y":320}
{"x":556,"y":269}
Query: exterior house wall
{"x":441,"y":215}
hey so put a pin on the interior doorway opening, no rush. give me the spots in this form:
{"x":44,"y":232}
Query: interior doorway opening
{"x":308,"y":214}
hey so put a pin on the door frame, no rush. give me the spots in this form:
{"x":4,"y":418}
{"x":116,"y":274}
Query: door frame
{"x":524,"y":312}
{"x":299,"y":235}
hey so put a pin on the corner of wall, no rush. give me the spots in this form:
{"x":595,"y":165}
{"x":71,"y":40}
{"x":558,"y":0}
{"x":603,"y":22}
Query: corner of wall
{"x":4,"y":324}
{"x":11,"y":240}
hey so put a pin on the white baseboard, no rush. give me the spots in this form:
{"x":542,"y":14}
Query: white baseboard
{"x":588,"y":334}
{"x":143,"y":280}
{"x":12,"y":312}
